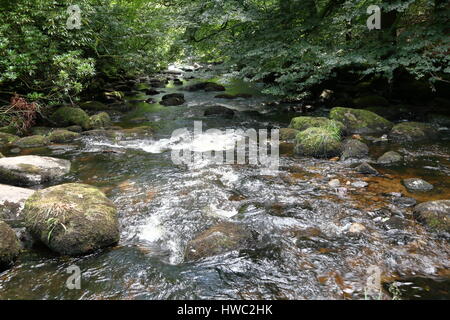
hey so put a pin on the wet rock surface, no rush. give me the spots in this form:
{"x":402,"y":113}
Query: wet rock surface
{"x":32,"y":170}
{"x":9,"y":246}
{"x":417,"y":185}
{"x":12,"y":201}
{"x":72,"y":219}
{"x":435,"y":214}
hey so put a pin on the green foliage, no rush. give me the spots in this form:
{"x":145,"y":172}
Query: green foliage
{"x":294,"y":45}
{"x":41,"y":55}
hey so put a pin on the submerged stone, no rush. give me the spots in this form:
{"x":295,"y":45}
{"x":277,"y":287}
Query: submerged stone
{"x":217,"y":240}
{"x":417,"y":185}
{"x":390,"y":157}
{"x":354,"y":149}
{"x":412,"y":132}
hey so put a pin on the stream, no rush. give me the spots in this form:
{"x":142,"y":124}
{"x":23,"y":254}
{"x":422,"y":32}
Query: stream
{"x":301,"y":246}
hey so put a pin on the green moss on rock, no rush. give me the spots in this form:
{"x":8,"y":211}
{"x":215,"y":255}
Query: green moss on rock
{"x":72,"y":219}
{"x":9,"y":246}
{"x":435,"y":214}
{"x":303,"y":123}
{"x":412,"y":132}
{"x":317,"y":142}
{"x":361,"y":121}
{"x":6,"y":138}
{"x":67,"y":116}
{"x":100,"y":120}
{"x":287,"y":134}
{"x":62,"y":136}
{"x":31,"y":142}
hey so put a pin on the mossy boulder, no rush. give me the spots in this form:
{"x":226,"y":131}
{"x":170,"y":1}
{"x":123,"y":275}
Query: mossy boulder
{"x":390,"y":157}
{"x":435,"y":214}
{"x":303,"y":123}
{"x":31,"y":142}
{"x":317,"y":142}
{"x":100,"y":120}
{"x":9,"y":246}
{"x":288,"y":134}
{"x":32,"y":170}
{"x":93,"y":106}
{"x":217,"y":240}
{"x":67,"y":116}
{"x":6,"y":138}
{"x":62,"y":136}
{"x":370,"y":101}
{"x":412,"y":132}
{"x":72,"y":219}
{"x":354,"y":149}
{"x":361,"y":121}
{"x":41,"y":131}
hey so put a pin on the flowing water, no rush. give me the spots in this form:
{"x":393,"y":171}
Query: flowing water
{"x":301,"y":246}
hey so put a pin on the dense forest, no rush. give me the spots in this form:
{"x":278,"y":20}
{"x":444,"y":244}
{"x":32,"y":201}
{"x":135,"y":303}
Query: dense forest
{"x":293,"y":46}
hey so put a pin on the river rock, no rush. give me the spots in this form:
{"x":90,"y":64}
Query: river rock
{"x":412,"y":132}
{"x":31,"y":142}
{"x":288,"y":134}
{"x":219,"y":110}
{"x":12,"y":201}
{"x":9,"y":246}
{"x":303,"y":123}
{"x":361,"y":121}
{"x":32,"y":170}
{"x":66,"y":116}
{"x":62,"y":136}
{"x":72,"y":219}
{"x":317,"y":142}
{"x":366,"y":168}
{"x":7,"y":138}
{"x":217,"y":240}
{"x":100,"y":120}
{"x":417,"y":185}
{"x":390,"y":157}
{"x":174,"y":99}
{"x":354,"y":149}
{"x":93,"y":106}
{"x":435,"y":214}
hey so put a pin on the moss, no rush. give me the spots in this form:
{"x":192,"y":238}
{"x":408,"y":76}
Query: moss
{"x":72,"y":218}
{"x":370,"y":101}
{"x":66,"y":116}
{"x":303,"y":123}
{"x":100,"y":120}
{"x":288,"y":134}
{"x":6,"y":138}
{"x":31,"y":142}
{"x":9,"y":246}
{"x":412,"y":132}
{"x":61,"y":136}
{"x":41,"y":131}
{"x":361,"y":121}
{"x":317,"y":142}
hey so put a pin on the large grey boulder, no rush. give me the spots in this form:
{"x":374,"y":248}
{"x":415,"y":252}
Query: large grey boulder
{"x":12,"y":201}
{"x":32,"y":170}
